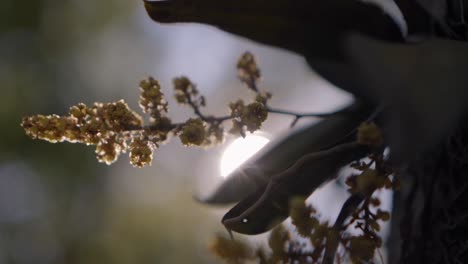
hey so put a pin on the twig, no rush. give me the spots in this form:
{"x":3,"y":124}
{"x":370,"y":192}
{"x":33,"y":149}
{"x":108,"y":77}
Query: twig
{"x":253,"y":86}
{"x":298,"y":116}
{"x":348,"y":208}
{"x":208,"y":119}
{"x":218,"y":120}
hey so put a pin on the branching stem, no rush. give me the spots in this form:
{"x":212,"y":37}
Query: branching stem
{"x":213,"y":119}
{"x":298,"y":116}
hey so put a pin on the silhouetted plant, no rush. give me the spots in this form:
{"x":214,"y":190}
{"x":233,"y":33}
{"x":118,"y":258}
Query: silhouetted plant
{"x":361,"y":212}
{"x":113,"y":128}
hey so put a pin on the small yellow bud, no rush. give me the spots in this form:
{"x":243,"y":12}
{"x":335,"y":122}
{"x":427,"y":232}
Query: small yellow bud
{"x":233,"y":251}
{"x":141,"y":152}
{"x":361,"y":249}
{"x":277,"y":241}
{"x":248,"y":70}
{"x":254,"y":115}
{"x":370,"y":134}
{"x":193,"y":133}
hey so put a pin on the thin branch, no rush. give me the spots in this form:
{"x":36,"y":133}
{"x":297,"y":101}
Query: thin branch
{"x":196,"y":110}
{"x":380,"y":255}
{"x":253,"y":86}
{"x":218,"y":120}
{"x":348,"y":208}
{"x":298,"y":116}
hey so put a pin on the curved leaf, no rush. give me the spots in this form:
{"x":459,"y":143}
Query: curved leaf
{"x":256,"y":172}
{"x":269,"y":206}
{"x":424,"y":87}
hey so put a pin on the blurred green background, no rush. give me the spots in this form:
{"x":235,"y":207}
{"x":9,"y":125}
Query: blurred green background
{"x":57,"y":203}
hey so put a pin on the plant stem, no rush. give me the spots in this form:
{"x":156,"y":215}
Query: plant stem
{"x":298,"y":116}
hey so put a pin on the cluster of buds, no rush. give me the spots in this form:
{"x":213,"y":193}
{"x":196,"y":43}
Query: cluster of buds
{"x":112,"y":127}
{"x":193,"y":132}
{"x":115,"y":129}
{"x":373,"y":175}
{"x":186,"y":92}
{"x":362,"y":247}
{"x":196,"y":132}
{"x":370,"y":134}
{"x":141,"y":151}
{"x":233,"y":251}
{"x":102,"y":125}
{"x":247,"y":117}
{"x":302,"y":216}
{"x":364,"y":218}
{"x":152,"y":100}
{"x":239,"y":251}
{"x":248,"y":71}
{"x":366,"y":181}
{"x":305,"y":220}
{"x":200,"y":131}
{"x":251,"y":116}
{"x":278,"y":242}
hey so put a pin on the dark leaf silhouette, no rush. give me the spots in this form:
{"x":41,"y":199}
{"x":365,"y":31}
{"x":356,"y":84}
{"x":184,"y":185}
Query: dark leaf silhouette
{"x":269,"y":205}
{"x":424,"y":87}
{"x":408,"y":59}
{"x":257,"y":172}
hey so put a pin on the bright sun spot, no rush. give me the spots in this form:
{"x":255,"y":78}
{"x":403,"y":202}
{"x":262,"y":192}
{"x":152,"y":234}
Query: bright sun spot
{"x":239,"y":151}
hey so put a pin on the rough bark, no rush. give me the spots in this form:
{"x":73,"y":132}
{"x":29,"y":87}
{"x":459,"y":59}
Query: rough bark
{"x":431,"y":211}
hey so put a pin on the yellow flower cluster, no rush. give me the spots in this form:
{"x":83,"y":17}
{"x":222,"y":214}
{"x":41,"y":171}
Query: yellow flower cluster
{"x":101,"y":125}
{"x":366,"y":182}
{"x":370,"y":134}
{"x":201,"y":131}
{"x":361,"y":249}
{"x":193,"y":132}
{"x":307,"y":225}
{"x":141,"y":151}
{"x":83,"y":124}
{"x":263,"y":98}
{"x":152,"y":100}
{"x":215,"y":134}
{"x":196,"y":132}
{"x":186,"y":92}
{"x":369,"y":179}
{"x":251,"y":116}
{"x":372,"y":176}
{"x":247,"y":117}
{"x":302,"y":216}
{"x":279,"y":238}
{"x":115,"y":129}
{"x":109,"y":149}
{"x":53,"y":128}
{"x":232,"y":251}
{"x":248,"y":71}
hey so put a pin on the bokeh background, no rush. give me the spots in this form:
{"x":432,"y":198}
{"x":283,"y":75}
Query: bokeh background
{"x":57,"y":203}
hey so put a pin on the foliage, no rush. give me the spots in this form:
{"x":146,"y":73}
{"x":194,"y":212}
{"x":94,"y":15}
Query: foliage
{"x":355,"y":231}
{"x":114,"y":128}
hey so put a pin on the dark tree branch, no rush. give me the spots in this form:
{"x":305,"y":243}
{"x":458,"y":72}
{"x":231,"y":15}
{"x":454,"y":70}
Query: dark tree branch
{"x":333,"y":240}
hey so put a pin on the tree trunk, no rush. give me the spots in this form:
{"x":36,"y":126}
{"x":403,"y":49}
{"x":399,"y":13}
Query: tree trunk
{"x":431,"y":211}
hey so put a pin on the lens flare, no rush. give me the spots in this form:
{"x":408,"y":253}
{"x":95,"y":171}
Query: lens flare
{"x":239,"y":151}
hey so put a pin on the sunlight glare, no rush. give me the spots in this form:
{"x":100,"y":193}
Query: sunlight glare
{"x":239,"y":151}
